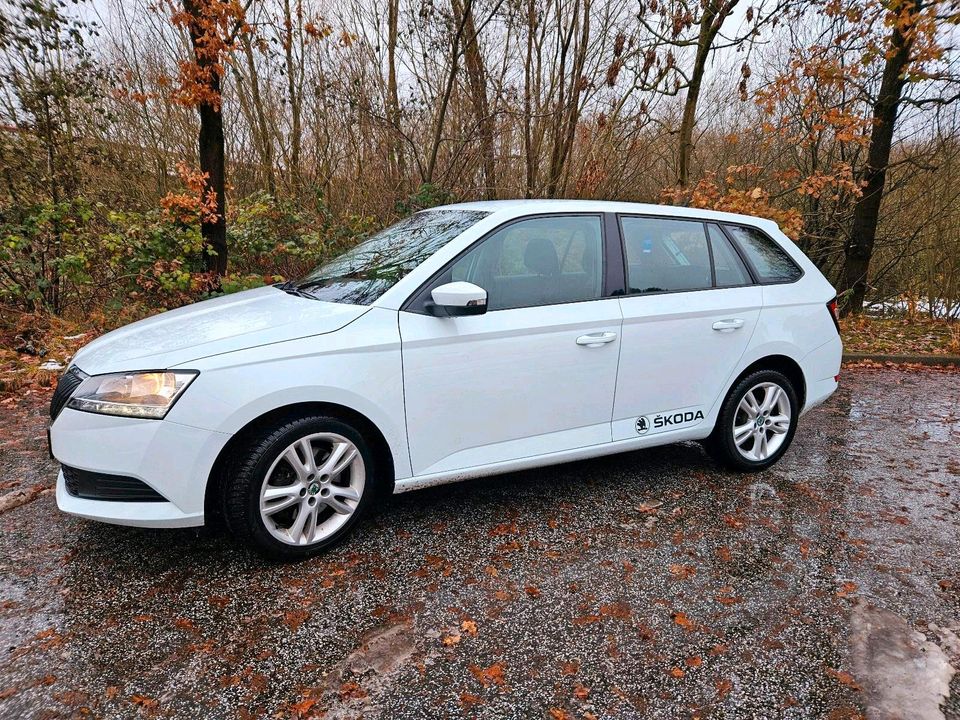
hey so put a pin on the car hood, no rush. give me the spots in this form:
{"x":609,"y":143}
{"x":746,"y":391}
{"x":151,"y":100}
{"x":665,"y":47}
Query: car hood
{"x":235,"y":322}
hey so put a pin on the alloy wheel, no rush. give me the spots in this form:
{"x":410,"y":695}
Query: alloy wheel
{"x":312,"y":489}
{"x":761,"y":422}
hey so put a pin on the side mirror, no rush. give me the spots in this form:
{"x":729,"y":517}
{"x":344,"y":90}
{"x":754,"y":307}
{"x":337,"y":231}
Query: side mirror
{"x":457,"y":298}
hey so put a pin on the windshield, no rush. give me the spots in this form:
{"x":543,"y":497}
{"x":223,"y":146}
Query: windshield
{"x":361,"y":275}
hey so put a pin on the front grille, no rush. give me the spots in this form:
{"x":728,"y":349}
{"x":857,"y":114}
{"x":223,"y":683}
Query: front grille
{"x":101,"y":486}
{"x":67,"y":383}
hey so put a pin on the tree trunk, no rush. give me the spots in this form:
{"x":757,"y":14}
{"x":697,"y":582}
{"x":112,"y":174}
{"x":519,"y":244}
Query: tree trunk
{"x":477,"y":79}
{"x":530,"y":153}
{"x":858,"y":250}
{"x":211,"y":152}
{"x":260,"y":118}
{"x":570,"y":115}
{"x":292,"y":92}
{"x":211,"y":147}
{"x":710,"y":24}
{"x":445,"y":98}
{"x":393,"y":98}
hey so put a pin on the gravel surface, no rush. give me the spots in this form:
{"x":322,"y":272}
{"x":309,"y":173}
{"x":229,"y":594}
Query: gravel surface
{"x":649,"y":584}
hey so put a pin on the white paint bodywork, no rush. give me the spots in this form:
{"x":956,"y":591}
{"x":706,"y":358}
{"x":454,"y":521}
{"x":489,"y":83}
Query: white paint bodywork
{"x":453,"y":397}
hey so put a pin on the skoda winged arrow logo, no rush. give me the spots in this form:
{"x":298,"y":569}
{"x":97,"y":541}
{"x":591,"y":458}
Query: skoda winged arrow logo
{"x":642,"y":425}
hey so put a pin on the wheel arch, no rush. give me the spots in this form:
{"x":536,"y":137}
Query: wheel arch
{"x":781,"y":363}
{"x":380,"y":446}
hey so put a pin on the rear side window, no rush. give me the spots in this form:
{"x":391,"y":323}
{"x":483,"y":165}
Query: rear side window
{"x":769,"y":260}
{"x":665,"y":255}
{"x":729,"y":268}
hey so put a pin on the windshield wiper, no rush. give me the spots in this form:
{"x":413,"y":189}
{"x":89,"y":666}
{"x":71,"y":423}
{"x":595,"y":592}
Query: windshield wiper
{"x":291,"y":288}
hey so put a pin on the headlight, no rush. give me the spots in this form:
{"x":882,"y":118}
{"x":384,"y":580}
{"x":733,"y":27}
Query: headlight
{"x":132,"y":394}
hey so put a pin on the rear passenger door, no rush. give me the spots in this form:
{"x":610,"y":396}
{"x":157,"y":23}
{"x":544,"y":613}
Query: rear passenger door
{"x":688,"y":315}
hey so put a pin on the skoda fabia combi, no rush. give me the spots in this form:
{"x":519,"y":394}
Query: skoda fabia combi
{"x":461,"y":342}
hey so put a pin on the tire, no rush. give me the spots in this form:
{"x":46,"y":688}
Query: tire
{"x":755,"y":454}
{"x":292,"y":506}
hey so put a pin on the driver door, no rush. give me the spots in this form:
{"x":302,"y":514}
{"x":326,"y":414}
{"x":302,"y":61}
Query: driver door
{"x":533,"y":375}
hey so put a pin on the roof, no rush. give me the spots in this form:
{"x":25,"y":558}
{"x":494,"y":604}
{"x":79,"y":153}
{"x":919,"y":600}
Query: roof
{"x":523,"y":206}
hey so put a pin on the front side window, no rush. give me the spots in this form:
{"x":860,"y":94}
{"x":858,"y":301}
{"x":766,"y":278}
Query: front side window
{"x":665,"y":255}
{"x":771,"y":262}
{"x":538,"y":261}
{"x":361,"y":275}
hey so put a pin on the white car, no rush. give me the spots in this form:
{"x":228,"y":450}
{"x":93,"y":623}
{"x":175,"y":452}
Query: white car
{"x":463,"y":341}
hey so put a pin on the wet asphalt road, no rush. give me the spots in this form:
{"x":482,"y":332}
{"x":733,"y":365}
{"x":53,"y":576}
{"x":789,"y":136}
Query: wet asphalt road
{"x":562,"y":592}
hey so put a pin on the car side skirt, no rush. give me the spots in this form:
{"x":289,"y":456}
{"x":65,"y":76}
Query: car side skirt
{"x":584,"y":453}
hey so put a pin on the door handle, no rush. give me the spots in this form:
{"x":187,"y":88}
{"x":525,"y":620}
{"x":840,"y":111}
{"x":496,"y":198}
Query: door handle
{"x":728,"y":325}
{"x":596,"y":339}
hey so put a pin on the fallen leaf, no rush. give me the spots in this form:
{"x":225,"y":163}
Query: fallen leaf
{"x":677,"y":672}
{"x":451,"y":640}
{"x":351,"y":690}
{"x":503,"y":529}
{"x":682,"y":572}
{"x":581,"y":692}
{"x":586,"y":619}
{"x":733,"y":521}
{"x":492,"y":675}
{"x":844,"y":678}
{"x":694,"y":661}
{"x":683,"y":621}
{"x":723,"y":687}
{"x":570,"y":668}
{"x":303,"y":707}
{"x":293,"y":619}
{"x":559,"y":714}
{"x":846,"y":589}
{"x":143,"y":701}
{"x":469,"y":627}
{"x":468,"y":700}
{"x":619,"y":610}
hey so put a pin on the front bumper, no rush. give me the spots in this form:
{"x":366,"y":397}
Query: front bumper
{"x":175,"y":460}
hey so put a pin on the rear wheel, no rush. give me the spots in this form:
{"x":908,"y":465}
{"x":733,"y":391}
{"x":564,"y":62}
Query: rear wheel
{"x":299,"y":488}
{"x":756,"y":423}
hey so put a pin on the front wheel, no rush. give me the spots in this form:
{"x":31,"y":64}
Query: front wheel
{"x":756,"y":423}
{"x":299,"y":488}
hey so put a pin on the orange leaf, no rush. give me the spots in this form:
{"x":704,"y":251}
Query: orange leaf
{"x":846,"y":589}
{"x":468,"y":700}
{"x":844,"y":678}
{"x":683,"y":621}
{"x":492,"y":675}
{"x":682,"y":572}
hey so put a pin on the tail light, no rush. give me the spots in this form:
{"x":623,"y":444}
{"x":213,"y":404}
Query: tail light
{"x":834,"y":313}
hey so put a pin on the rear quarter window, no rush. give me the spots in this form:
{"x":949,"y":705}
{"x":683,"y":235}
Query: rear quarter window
{"x":770,"y":261}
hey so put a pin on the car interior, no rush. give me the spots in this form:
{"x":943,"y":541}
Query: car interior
{"x":541,"y":262}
